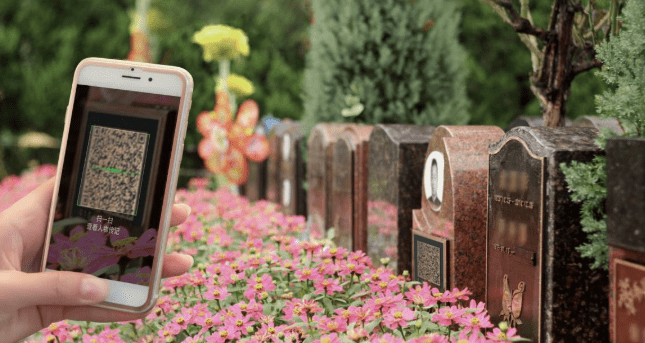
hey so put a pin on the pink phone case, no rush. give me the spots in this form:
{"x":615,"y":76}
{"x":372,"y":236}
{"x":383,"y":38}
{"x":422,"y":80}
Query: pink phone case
{"x":171,"y":181}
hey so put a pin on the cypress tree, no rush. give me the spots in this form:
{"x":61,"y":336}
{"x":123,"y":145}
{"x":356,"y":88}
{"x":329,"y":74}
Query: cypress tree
{"x":624,"y":71}
{"x":386,"y":61}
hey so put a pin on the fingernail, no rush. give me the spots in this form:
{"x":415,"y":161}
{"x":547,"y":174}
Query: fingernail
{"x":189,"y":259}
{"x":189,"y":209}
{"x":94,"y":289}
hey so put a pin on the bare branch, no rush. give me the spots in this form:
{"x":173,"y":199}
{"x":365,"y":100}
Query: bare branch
{"x":523,"y":25}
{"x":598,"y":26}
{"x":530,"y":42}
{"x":581,"y":67}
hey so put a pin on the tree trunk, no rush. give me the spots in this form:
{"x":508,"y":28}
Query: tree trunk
{"x":552,"y":83}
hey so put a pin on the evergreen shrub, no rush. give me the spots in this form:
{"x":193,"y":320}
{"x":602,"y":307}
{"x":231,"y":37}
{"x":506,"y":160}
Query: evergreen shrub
{"x":624,"y":72}
{"x":385,"y":62}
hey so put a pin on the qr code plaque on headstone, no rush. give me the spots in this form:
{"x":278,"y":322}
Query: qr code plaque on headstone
{"x":429,"y":267}
{"x":113,"y":170}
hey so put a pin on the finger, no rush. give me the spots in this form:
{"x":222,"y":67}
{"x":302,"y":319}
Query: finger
{"x":29,"y":216}
{"x":176,"y":264}
{"x":97,"y":314}
{"x":180,"y":213}
{"x":18,"y":289}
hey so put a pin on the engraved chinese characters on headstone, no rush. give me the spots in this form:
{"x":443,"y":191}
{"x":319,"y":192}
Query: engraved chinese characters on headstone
{"x":394,"y":190}
{"x":349,"y":185}
{"x":532,"y":122}
{"x":626,"y":237}
{"x":320,"y":155}
{"x":453,"y":210}
{"x":599,"y":123}
{"x":292,"y":170}
{"x":536,"y":279}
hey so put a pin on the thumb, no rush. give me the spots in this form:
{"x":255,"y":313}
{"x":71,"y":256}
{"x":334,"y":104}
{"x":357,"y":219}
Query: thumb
{"x":19,"y":290}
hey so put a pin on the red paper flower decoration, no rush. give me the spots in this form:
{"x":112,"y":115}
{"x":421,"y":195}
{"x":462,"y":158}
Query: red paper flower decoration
{"x":227,"y":144}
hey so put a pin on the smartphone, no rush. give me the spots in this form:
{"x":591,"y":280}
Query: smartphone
{"x":116,"y":178}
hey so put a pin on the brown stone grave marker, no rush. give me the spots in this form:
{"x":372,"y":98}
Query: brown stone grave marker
{"x":274,"y":162}
{"x":599,"y":123}
{"x":535,"y":277}
{"x":255,"y":187}
{"x":532,"y":122}
{"x":349,"y":185}
{"x":394,"y":188}
{"x":320,"y":154}
{"x":449,"y":244}
{"x":626,"y":238}
{"x":292,"y":170}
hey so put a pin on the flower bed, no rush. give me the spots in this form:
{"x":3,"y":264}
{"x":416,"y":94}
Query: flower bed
{"x":258,"y":278}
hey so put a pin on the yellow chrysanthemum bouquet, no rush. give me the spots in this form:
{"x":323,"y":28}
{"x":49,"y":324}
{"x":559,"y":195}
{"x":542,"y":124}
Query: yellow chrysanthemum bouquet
{"x":229,"y":140}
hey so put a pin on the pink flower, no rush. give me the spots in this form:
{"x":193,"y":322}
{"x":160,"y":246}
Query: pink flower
{"x":421,"y":296}
{"x":329,"y":285}
{"x":387,"y":338}
{"x":398,"y":317}
{"x":500,"y":336}
{"x":307,"y":274}
{"x":474,"y":322}
{"x":464,"y":338}
{"x":216,"y":293}
{"x":331,"y":338}
{"x":446,"y":315}
{"x":431,"y":338}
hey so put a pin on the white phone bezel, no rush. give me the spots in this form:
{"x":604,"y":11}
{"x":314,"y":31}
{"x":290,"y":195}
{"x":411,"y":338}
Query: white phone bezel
{"x":140,"y":77}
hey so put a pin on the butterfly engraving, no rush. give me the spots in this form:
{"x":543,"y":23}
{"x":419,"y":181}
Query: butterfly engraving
{"x":512,"y":303}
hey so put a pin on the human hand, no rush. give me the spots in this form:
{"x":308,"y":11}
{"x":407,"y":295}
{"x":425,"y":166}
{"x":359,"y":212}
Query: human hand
{"x":30,"y":302}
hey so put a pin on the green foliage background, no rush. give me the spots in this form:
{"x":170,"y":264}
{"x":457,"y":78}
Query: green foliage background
{"x":499,"y":65}
{"x":380,"y":54}
{"x":41,"y":42}
{"x":624,"y":72}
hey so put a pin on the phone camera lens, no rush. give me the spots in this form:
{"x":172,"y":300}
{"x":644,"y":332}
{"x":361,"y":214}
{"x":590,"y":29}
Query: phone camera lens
{"x":131,"y":69}
{"x":150,"y":79}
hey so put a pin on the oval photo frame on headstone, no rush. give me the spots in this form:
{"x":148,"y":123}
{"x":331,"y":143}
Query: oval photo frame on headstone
{"x":433,"y":179}
{"x":286,"y":146}
{"x":286,"y":192}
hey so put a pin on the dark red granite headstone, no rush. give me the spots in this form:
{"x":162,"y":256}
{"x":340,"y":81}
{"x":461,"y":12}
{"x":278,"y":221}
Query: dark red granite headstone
{"x":452,"y":218}
{"x":274,"y":162}
{"x":394,"y":188}
{"x":320,"y":154}
{"x":532,"y":122}
{"x":599,"y":123}
{"x":292,"y":170}
{"x":535,"y":278}
{"x":626,"y":238}
{"x":255,"y":187}
{"x":349,"y":186}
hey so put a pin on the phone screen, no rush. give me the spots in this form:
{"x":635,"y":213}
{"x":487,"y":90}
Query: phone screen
{"x":112,"y":186}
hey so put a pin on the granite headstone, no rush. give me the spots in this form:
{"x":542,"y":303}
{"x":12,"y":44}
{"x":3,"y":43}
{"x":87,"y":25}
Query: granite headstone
{"x":349,"y":185}
{"x":536,"y":279}
{"x":599,"y":123}
{"x":255,"y":187}
{"x":449,"y":245}
{"x":394,"y":190}
{"x":320,"y":153}
{"x":274,"y":162}
{"x":626,"y":237}
{"x":292,"y":170}
{"x":532,"y":122}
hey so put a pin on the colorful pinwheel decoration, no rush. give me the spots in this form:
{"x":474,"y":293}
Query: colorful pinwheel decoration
{"x":228,"y":142}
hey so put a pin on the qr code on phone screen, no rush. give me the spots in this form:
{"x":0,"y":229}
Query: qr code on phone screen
{"x":113,"y":170}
